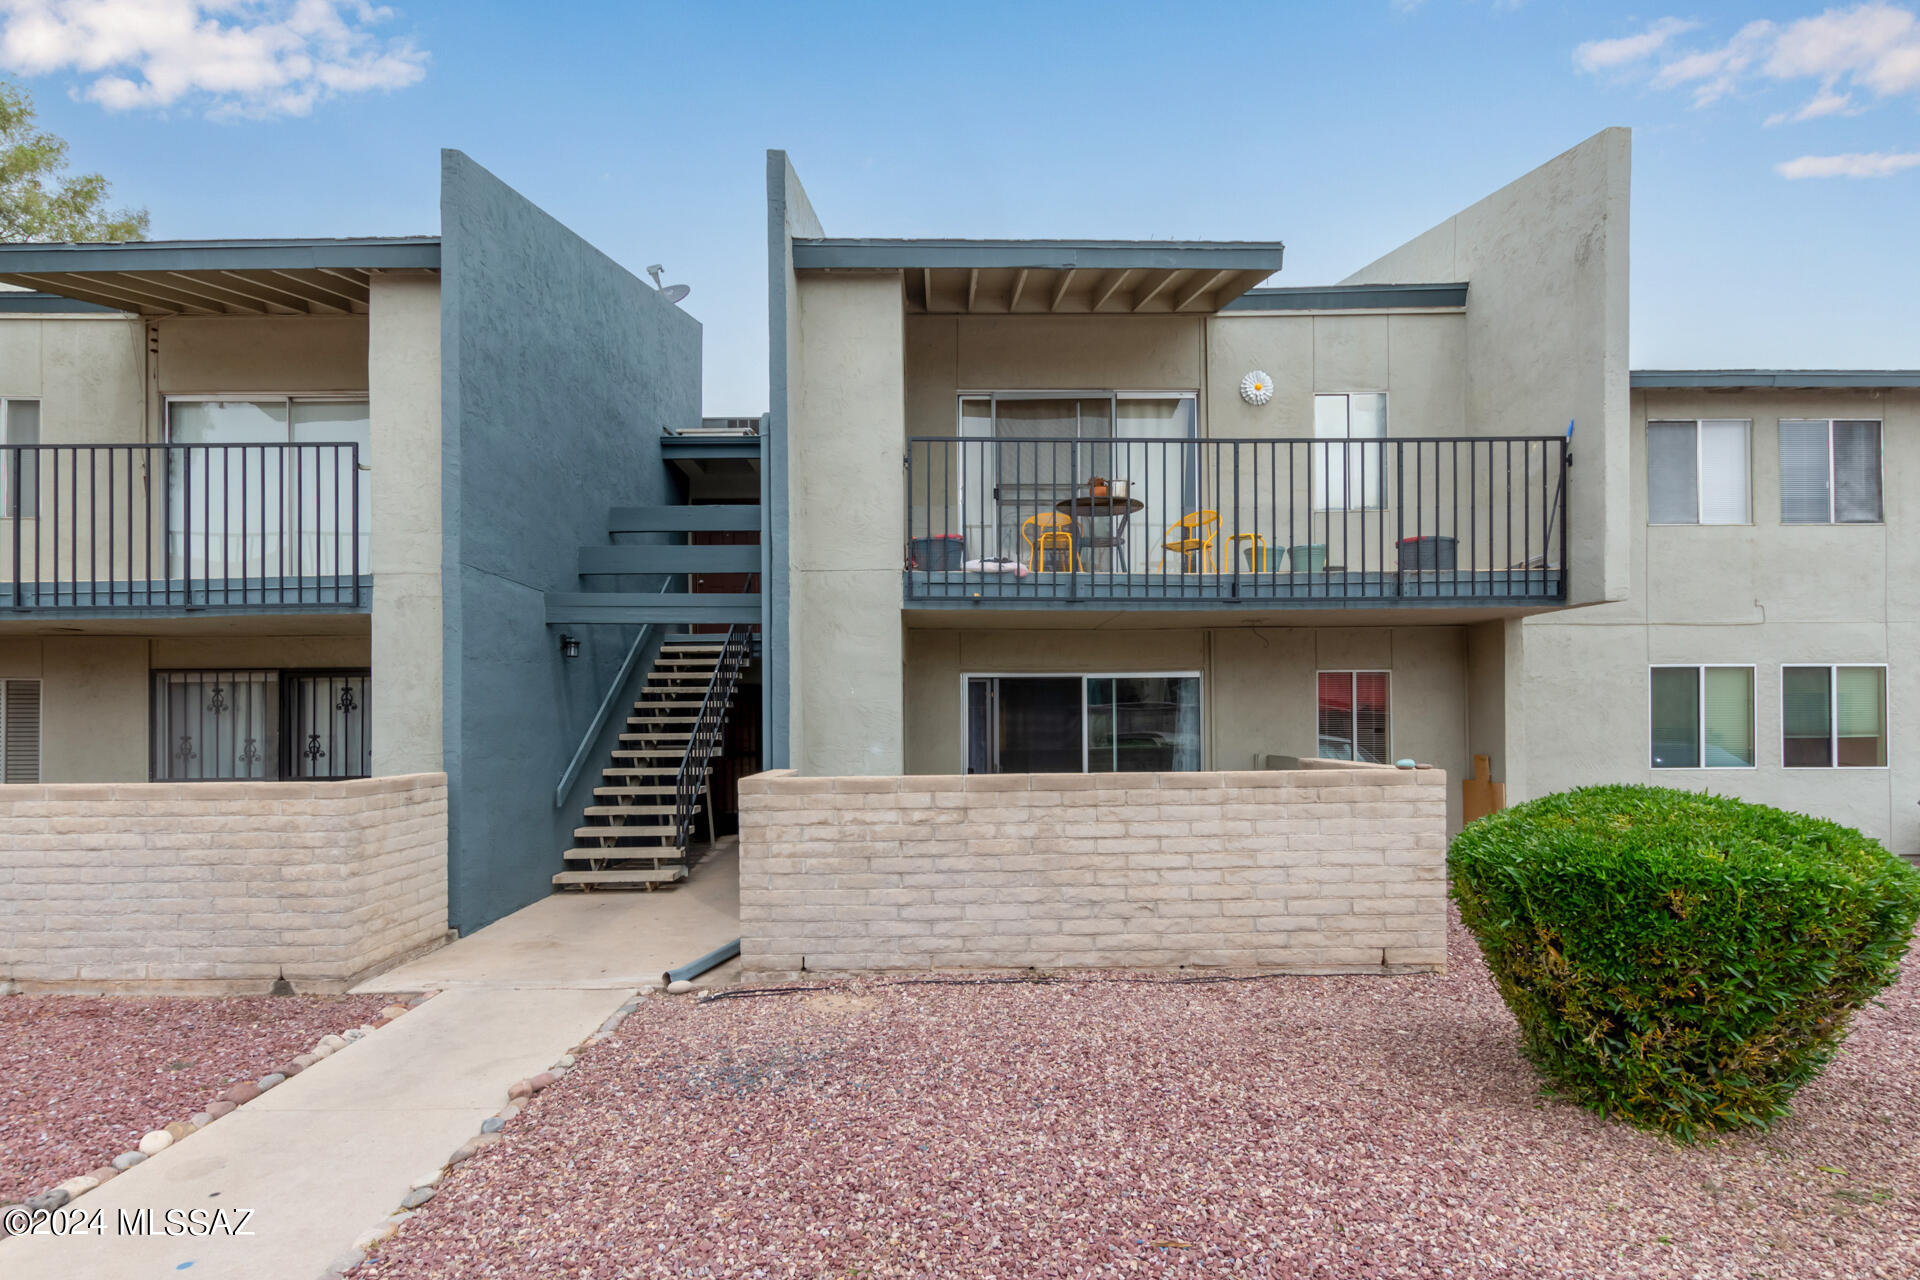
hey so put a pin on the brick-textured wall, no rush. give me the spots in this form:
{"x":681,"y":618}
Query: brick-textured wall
{"x":1322,"y":869}
{"x":218,"y":886}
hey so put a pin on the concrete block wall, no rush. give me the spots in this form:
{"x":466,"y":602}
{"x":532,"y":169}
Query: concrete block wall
{"x":222,"y":886}
{"x":1315,"y":870}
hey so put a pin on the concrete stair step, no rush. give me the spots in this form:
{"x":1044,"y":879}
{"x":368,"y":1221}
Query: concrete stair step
{"x":637,"y":876}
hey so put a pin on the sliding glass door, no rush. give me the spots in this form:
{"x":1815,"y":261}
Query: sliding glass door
{"x":269,"y":511}
{"x":1051,"y":448}
{"x":1083,"y":724}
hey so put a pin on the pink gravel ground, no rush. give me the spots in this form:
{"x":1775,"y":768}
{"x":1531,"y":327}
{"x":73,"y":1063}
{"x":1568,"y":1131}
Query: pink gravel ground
{"x":82,"y":1077}
{"x":1298,"y":1127}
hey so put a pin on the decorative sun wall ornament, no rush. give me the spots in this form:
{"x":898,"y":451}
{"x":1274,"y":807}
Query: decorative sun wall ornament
{"x":1256,"y":388}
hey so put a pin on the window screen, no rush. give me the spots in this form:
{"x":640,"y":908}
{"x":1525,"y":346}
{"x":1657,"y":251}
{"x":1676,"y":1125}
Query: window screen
{"x":1727,"y":733}
{"x":1856,"y":472}
{"x":1804,"y":496}
{"x":1806,"y":717}
{"x":1723,"y":472}
{"x":20,"y":731}
{"x":1860,"y":714}
{"x":1673,"y":476}
{"x":1676,"y":717}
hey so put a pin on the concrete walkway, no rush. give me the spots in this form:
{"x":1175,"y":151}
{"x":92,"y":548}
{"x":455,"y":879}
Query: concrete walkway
{"x":331,"y":1152}
{"x":580,"y":940}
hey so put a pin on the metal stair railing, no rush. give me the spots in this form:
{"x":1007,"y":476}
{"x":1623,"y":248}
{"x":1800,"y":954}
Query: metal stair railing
{"x":708,"y":733}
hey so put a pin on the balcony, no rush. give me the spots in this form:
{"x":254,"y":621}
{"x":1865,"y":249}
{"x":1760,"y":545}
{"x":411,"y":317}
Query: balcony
{"x":139,"y":530}
{"x":1112,"y":522}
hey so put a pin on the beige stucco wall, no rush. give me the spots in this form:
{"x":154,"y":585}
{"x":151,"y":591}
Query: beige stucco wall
{"x":290,"y":354}
{"x":1546,"y":329}
{"x":95,"y":690}
{"x":1336,"y":870}
{"x":1417,"y":358}
{"x":403,"y":378}
{"x":1258,"y":684}
{"x":1764,"y":594}
{"x":87,"y":371}
{"x":214,"y":887}
{"x":846,"y":517}
{"x":949,"y":354}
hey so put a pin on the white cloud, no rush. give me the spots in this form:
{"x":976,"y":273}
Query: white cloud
{"x":1406,"y":6}
{"x":1604,"y":55}
{"x":1869,"y":164}
{"x":238,"y":57}
{"x":1871,"y":48}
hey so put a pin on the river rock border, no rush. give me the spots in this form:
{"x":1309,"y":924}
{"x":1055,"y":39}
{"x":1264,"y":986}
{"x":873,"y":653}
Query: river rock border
{"x":230,"y":1099}
{"x":492,"y":1130}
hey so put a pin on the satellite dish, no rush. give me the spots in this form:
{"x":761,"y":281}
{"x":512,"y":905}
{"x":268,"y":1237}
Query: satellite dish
{"x":671,"y":292}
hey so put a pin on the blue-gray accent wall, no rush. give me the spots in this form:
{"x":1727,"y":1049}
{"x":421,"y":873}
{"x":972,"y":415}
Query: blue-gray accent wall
{"x":559,"y":372}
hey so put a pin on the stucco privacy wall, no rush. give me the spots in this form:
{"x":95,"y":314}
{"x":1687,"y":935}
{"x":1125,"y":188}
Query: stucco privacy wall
{"x":1546,"y":330}
{"x":560,"y":370}
{"x":844,"y":525}
{"x":1764,"y":594}
{"x":1336,"y":870}
{"x":403,"y":380}
{"x":218,"y":886}
{"x":789,"y":214}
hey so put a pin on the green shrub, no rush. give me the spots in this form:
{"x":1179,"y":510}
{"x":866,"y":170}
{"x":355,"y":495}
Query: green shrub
{"x":1679,"y":960}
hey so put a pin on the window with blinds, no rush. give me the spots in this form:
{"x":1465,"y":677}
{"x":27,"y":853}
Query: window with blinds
{"x":1697,"y":472}
{"x":1829,"y":471}
{"x":1352,"y":716}
{"x":1701,"y":717}
{"x":1833,"y":717}
{"x":20,"y":730}
{"x":260,"y":726}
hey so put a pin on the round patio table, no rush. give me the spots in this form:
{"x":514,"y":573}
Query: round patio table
{"x":1116,"y":511}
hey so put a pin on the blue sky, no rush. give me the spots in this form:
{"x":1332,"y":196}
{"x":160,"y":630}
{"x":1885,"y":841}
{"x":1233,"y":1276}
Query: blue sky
{"x":1342,"y":129}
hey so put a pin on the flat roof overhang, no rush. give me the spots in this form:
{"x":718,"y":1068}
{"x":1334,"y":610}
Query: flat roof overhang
{"x":218,"y":277}
{"x":1786,"y":379}
{"x":1056,"y":277}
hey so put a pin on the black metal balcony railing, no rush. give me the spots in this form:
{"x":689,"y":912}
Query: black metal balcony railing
{"x":159,"y":527}
{"x":1469,"y":519}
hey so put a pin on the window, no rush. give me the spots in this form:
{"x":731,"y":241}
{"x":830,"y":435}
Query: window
{"x":1697,"y":472}
{"x":259,"y":725}
{"x":1083,"y":723}
{"x":1350,"y":477}
{"x":20,"y":474}
{"x":19,"y":731}
{"x":1833,"y":717}
{"x":1829,"y":471}
{"x":1702,"y":717}
{"x":1353,"y":716}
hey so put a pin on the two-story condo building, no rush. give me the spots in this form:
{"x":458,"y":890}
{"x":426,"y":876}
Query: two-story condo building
{"x":359,"y":590}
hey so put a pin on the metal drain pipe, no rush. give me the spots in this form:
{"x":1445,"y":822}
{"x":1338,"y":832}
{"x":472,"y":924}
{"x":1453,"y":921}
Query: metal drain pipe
{"x":694,"y":968}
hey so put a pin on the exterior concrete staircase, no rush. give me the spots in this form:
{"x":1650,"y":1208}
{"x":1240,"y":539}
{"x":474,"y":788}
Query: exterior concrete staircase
{"x":656,"y":787}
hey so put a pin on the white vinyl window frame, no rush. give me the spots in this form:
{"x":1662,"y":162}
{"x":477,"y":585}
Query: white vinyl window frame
{"x":1833,"y":669}
{"x":1086,"y":713}
{"x":1700,"y":487}
{"x":1700,"y":713}
{"x":1353,"y":709}
{"x":1833,"y":487}
{"x":1320,"y":483}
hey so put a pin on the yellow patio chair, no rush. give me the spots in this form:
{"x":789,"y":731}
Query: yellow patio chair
{"x":1189,"y":537}
{"x":1051,"y":531}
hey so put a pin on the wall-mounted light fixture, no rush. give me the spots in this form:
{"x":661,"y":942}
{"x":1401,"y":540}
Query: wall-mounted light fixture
{"x":569,"y":646}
